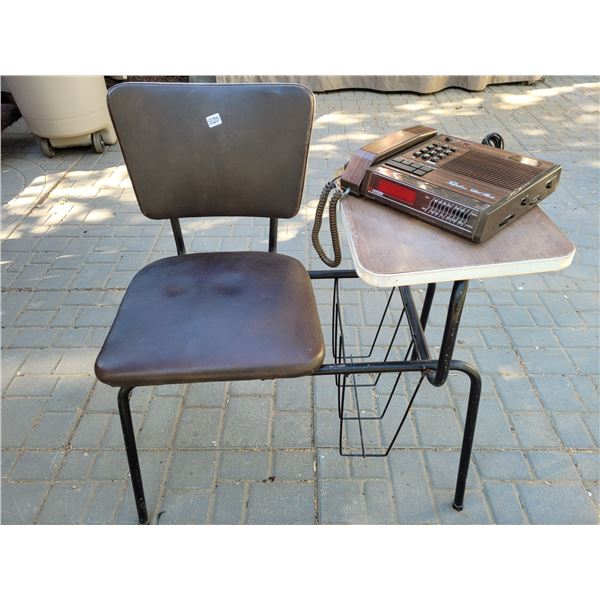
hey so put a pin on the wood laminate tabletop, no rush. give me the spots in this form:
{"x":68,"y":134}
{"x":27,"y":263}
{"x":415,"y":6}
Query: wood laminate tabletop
{"x":391,"y":248}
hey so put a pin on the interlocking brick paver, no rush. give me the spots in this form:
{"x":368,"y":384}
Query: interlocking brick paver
{"x":107,"y":464}
{"x":51,"y":431}
{"x":65,"y":503}
{"x":437,"y":427}
{"x":90,"y":431}
{"x":184,"y":507}
{"x":76,"y":465}
{"x":242,"y":465}
{"x":535,"y":430}
{"x":293,"y":394}
{"x":475,"y":509}
{"x":380,"y":505}
{"x":517,"y":393}
{"x":493,"y":428}
{"x":557,"y":393}
{"x":442,"y":468}
{"x":292,"y":430}
{"x":19,"y":415}
{"x":414,"y":500}
{"x":252,"y":388}
{"x":588,"y":464}
{"x":8,"y":459}
{"x":294,"y":465}
{"x":550,"y":360}
{"x":104,"y":501}
{"x":331,"y":465}
{"x":153,"y":465}
{"x":504,"y":502}
{"x":32,"y":385}
{"x":206,"y":394}
{"x":368,"y":468}
{"x":159,"y":423}
{"x":198,"y":428}
{"x":588,"y":392}
{"x":573,"y":431}
{"x":40,"y":362}
{"x":21,"y":501}
{"x":37,"y":465}
{"x":113,"y":438}
{"x":281,"y":504}
{"x":243,"y":451}
{"x":229,"y":503}
{"x":342,"y":502}
{"x":506,"y":465}
{"x":592,"y":421}
{"x":247,"y":423}
{"x":70,"y":393}
{"x":552,"y":466}
{"x":557,"y":504}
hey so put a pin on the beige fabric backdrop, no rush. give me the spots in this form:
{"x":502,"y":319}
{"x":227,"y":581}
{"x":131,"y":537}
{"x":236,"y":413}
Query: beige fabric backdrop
{"x":422,"y":84}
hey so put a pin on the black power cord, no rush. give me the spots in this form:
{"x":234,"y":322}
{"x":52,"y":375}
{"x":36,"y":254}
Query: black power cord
{"x":493,"y":139}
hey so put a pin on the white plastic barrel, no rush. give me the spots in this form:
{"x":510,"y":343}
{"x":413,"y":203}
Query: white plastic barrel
{"x":64,"y":111}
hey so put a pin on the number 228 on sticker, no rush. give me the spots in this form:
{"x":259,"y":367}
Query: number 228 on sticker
{"x":214,"y":120}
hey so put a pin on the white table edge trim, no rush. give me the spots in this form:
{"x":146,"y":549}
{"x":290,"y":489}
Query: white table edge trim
{"x":524,"y":267}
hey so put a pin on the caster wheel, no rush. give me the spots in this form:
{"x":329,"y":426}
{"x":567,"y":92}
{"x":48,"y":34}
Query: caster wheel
{"x":47,"y":148}
{"x":98,"y":143}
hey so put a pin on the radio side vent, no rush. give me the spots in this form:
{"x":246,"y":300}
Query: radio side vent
{"x":491,"y":169}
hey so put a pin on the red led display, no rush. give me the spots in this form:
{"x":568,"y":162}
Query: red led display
{"x":396,"y":191}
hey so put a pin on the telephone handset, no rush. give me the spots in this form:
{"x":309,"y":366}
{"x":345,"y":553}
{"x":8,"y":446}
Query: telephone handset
{"x":353,"y":178}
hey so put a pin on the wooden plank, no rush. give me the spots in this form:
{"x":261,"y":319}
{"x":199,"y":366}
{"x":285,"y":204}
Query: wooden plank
{"x":391,"y":248}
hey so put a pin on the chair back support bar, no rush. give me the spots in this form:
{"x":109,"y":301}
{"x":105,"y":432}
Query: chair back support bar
{"x":197,"y":150}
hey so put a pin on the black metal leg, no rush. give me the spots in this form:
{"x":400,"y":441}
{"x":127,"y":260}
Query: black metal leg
{"x":455,"y":308}
{"x":132,"y":455}
{"x":425,"y":310}
{"x":471,"y":420}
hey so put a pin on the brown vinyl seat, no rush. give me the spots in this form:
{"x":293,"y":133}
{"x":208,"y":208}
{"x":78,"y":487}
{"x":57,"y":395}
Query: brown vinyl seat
{"x":214,"y":317}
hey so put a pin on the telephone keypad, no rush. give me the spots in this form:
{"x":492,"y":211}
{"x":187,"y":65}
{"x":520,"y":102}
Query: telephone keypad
{"x":434,"y":152}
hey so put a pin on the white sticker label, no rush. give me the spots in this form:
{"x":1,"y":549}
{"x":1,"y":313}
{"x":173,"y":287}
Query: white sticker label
{"x":214,"y":120}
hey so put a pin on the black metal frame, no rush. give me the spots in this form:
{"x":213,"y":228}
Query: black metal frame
{"x":436,"y":371}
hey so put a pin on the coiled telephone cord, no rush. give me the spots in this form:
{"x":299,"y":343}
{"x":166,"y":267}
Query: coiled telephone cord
{"x":335,"y":238}
{"x":493,"y":139}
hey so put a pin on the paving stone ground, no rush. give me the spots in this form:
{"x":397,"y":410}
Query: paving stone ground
{"x":266,"y":452}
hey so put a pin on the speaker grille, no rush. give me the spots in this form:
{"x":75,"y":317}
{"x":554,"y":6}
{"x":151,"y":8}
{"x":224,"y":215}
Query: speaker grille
{"x":503,"y":173}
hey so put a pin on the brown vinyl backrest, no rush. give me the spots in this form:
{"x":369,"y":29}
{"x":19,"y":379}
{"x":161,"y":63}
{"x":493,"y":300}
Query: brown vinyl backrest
{"x":250,"y":162}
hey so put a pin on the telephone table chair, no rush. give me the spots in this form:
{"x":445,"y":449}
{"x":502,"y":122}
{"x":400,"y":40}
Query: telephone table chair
{"x":201,"y":150}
